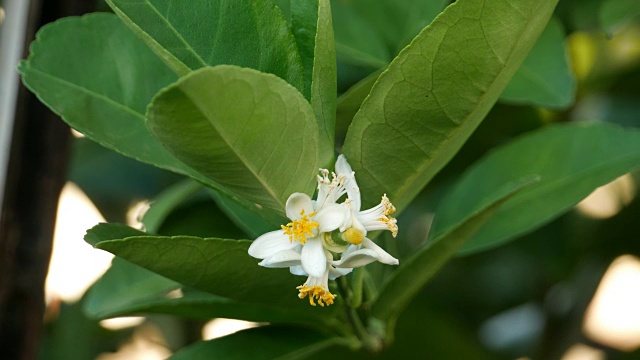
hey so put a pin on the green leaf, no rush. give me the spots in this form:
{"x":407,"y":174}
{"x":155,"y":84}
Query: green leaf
{"x":313,"y":29}
{"x":193,"y":304}
{"x":356,"y":40}
{"x":99,"y":78}
{"x":371,"y":34}
{"x":544,"y":78}
{"x":414,"y":272}
{"x":260,"y":344}
{"x":304,"y":19}
{"x":572,"y":160}
{"x":252,"y":34}
{"x":435,"y":93}
{"x":349,"y":103}
{"x":104,"y":231}
{"x":248,"y":131}
{"x":166,"y":202}
{"x":124,"y":283}
{"x":253,"y":221}
{"x":616,"y":14}
{"x":324,"y":84}
{"x":124,"y":286}
{"x":285,"y":7}
{"x":218,"y":266}
{"x":398,"y":21}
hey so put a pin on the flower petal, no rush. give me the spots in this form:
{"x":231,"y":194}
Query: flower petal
{"x":298,"y":270}
{"x":331,"y":217}
{"x":270,"y":243}
{"x":314,"y":261}
{"x":296,"y":203}
{"x":336,"y":273}
{"x":383,"y":256}
{"x":358,"y":258}
{"x":353,"y":192}
{"x":285,"y":258}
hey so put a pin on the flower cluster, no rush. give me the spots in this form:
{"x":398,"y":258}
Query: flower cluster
{"x":321,"y":228}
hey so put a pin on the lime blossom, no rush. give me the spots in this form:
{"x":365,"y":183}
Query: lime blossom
{"x":324,"y":227}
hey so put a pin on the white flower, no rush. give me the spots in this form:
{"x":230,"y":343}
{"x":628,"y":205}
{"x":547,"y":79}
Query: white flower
{"x":354,"y":230}
{"x":300,"y":241}
{"x":322,"y":227}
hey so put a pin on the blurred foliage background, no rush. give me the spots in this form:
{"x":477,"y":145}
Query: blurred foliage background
{"x":527,"y":299}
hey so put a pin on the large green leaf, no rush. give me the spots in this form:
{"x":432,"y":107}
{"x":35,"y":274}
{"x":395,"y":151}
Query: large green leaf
{"x":100,"y":78}
{"x":544,"y":78}
{"x":264,"y":343}
{"x":127,"y":289}
{"x":218,"y":266}
{"x":572,"y":161}
{"x":122,"y":286}
{"x":196,"y":305}
{"x":249,"y":131}
{"x":124,"y":283}
{"x":435,"y":93}
{"x":188,"y":36}
{"x":414,"y":272}
{"x":106,"y":231}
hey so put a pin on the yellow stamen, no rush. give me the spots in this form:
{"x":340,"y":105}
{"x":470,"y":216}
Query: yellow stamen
{"x":300,"y":230}
{"x":389,"y":209}
{"x":387,"y":206}
{"x":353,"y":236}
{"x":316,"y":292}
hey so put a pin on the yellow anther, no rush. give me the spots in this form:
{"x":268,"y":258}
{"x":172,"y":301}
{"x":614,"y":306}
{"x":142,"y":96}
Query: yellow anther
{"x":353,"y":236}
{"x":322,"y":295}
{"x":388,"y":207}
{"x":300,"y":230}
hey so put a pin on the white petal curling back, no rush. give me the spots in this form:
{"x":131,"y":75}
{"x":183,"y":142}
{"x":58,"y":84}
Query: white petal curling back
{"x":269,"y":244}
{"x":298,"y":204}
{"x":314,"y":260}
{"x":298,"y":270}
{"x":357,"y":258}
{"x":285,"y":258}
{"x":383,"y":256}
{"x":335,"y":273}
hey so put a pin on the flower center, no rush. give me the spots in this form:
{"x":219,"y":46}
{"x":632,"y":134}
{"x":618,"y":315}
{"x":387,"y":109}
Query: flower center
{"x":300,"y":230}
{"x":353,"y":236}
{"x":316,"y":292}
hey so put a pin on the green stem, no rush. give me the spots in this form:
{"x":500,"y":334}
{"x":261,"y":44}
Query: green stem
{"x":367,"y":340}
{"x":356,"y":281}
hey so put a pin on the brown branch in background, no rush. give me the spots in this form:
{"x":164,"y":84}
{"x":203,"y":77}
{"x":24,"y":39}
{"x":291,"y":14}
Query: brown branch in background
{"x":36,"y":174}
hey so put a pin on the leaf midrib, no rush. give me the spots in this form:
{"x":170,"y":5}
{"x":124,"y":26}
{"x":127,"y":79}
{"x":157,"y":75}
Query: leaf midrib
{"x":88,"y":91}
{"x":242,"y":160}
{"x":174,"y":31}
